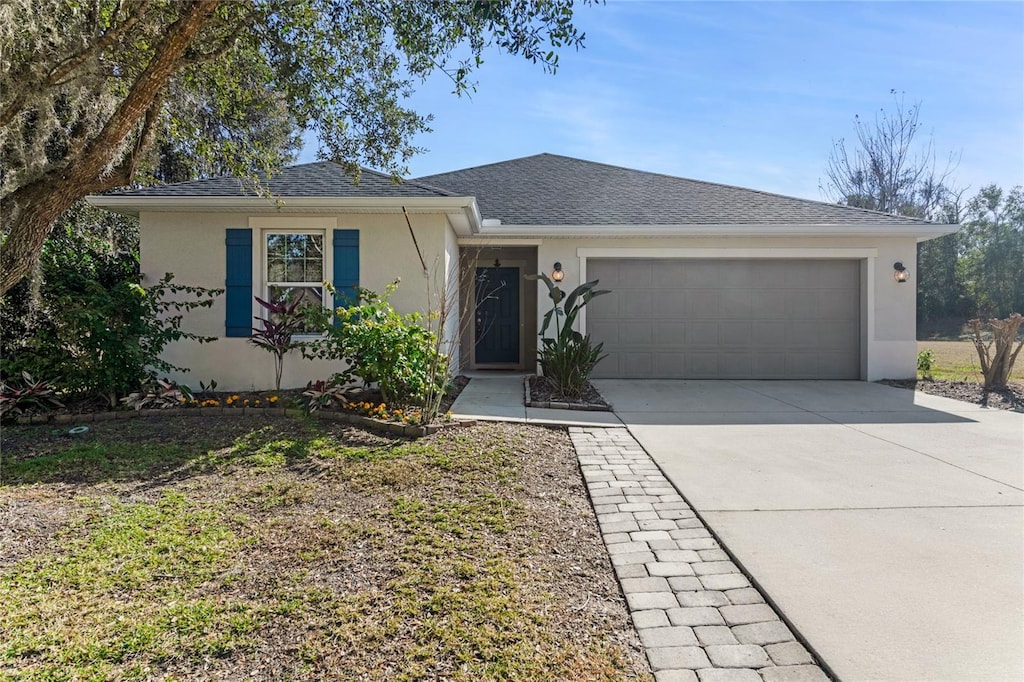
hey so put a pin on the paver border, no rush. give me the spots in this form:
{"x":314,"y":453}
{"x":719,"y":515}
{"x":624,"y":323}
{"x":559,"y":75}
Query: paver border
{"x":699,"y":615}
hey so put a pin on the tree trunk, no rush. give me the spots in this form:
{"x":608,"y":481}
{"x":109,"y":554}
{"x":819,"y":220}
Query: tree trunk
{"x":31,"y":209}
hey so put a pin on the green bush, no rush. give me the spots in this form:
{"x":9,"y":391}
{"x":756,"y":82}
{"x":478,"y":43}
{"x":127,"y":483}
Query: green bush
{"x":92,"y":330}
{"x":925,"y":362}
{"x":568,"y":358}
{"x":383,"y":347}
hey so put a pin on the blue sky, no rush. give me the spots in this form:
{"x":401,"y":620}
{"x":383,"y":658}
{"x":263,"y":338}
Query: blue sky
{"x":748,"y":94}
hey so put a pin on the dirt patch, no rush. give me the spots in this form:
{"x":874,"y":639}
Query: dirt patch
{"x":1011,"y":398}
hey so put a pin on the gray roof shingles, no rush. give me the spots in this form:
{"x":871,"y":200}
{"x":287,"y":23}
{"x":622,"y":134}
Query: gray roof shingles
{"x":547,"y":189}
{"x":320,"y":179}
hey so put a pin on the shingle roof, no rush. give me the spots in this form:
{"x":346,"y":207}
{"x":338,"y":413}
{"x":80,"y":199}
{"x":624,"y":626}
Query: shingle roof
{"x":320,"y":179}
{"x":547,"y":189}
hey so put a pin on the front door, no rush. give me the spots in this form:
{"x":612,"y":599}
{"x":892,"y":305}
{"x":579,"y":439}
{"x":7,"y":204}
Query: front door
{"x":497,"y":316}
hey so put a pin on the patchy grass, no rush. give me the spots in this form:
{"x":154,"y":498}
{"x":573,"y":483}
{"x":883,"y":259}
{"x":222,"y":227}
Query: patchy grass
{"x":179,"y":548}
{"x":958,"y":361}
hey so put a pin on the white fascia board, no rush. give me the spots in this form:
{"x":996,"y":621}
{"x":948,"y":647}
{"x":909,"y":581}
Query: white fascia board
{"x":463,"y":212}
{"x":921,"y":232}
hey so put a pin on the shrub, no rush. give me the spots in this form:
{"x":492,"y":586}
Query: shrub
{"x":568,"y":358}
{"x":92,"y":327}
{"x":925,"y":362}
{"x":383,"y":347}
{"x":996,"y":366}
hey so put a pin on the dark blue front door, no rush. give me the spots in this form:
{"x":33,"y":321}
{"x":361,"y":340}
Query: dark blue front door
{"x":497,"y":316}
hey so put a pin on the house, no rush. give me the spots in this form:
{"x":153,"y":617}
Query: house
{"x":708,"y":281}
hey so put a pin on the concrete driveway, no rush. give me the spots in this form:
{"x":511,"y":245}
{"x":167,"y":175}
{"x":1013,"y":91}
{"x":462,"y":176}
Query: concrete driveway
{"x":887,"y":526}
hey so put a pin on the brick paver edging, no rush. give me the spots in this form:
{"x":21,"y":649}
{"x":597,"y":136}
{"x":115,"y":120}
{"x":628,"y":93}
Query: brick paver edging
{"x":380,"y":425}
{"x":697,"y":614}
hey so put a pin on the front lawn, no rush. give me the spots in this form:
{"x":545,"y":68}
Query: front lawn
{"x":958,"y":361}
{"x":261,"y":547}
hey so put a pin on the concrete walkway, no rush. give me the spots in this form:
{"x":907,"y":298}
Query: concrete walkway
{"x":500,"y":398}
{"x":887,"y":525}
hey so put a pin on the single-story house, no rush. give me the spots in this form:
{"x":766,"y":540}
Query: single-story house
{"x":708,"y":281}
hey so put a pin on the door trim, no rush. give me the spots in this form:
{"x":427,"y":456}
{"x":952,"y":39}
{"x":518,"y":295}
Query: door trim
{"x":521,"y":364}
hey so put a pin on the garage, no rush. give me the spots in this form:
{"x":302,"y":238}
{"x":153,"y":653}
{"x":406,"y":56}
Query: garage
{"x":727,"y":318}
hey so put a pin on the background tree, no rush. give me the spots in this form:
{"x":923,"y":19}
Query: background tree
{"x":891,"y":170}
{"x":85,"y":87}
{"x":991,"y":263}
{"x":888,"y":169}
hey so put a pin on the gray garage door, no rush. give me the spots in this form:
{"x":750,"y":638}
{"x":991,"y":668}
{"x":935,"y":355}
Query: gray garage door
{"x":727,"y":319}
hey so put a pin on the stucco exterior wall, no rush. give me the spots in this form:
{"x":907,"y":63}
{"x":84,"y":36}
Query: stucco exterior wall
{"x":192,"y":246}
{"x":889,"y":347}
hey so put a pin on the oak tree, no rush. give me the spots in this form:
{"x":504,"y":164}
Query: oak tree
{"x":86,"y":86}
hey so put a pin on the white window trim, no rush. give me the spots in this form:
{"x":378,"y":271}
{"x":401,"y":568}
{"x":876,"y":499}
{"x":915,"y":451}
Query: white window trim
{"x":262,"y":226}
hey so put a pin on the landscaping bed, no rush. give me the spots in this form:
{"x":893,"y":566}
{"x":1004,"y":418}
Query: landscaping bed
{"x":274,"y":547}
{"x":1011,"y":398}
{"x":540,"y":392}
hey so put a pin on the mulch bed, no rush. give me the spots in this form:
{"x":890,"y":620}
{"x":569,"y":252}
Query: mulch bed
{"x":1011,"y":398}
{"x":543,"y":391}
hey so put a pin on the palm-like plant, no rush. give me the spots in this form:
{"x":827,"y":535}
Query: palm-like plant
{"x":568,"y":357}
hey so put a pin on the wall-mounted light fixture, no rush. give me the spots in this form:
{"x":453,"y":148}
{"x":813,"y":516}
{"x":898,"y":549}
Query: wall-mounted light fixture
{"x":557,"y":275}
{"x":900,"y":272}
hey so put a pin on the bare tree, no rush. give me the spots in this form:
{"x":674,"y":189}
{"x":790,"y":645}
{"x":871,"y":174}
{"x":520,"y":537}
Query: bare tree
{"x":887,"y":170}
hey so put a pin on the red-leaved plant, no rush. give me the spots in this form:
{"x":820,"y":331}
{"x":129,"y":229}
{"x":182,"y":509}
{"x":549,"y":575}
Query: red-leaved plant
{"x":277,"y":330}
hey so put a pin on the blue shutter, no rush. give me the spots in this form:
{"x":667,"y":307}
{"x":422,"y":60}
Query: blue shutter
{"x":346,"y":267}
{"x":238,"y":283}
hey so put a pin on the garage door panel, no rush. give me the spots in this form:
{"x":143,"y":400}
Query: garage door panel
{"x":702,"y":365}
{"x":839,"y":304}
{"x":736,"y":303}
{"x":734,"y":365}
{"x":634,"y":304}
{"x":636,"y":334}
{"x":768,"y":304}
{"x":669,"y":365}
{"x":803,"y":335}
{"x":605,"y":331}
{"x":702,"y":304}
{"x":801,"y":305}
{"x":769,"y":334}
{"x":728,"y":318}
{"x":732,"y":334}
{"x":667,"y":275}
{"x":668,"y":333}
{"x":701,"y":334}
{"x":835,"y":334}
{"x":634,"y":274}
{"x":636,"y":364}
{"x":672,"y":304}
{"x":606,"y":306}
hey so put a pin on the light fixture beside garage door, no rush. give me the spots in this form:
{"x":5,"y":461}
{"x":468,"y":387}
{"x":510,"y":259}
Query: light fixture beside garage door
{"x":900,"y":272}
{"x":557,"y":275}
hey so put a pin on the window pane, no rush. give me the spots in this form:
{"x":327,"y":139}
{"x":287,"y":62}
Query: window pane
{"x":305,"y":295}
{"x":275,"y":246}
{"x":275,"y":270}
{"x":314,"y":271}
{"x":294,"y":272}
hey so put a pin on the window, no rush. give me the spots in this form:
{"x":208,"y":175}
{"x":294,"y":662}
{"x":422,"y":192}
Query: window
{"x":295,"y":266}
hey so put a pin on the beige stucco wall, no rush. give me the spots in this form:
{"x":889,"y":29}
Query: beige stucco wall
{"x":192,"y":246}
{"x":889,"y":346}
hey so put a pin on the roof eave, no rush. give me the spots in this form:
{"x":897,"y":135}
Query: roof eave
{"x":462,"y":212}
{"x":921,"y":232}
